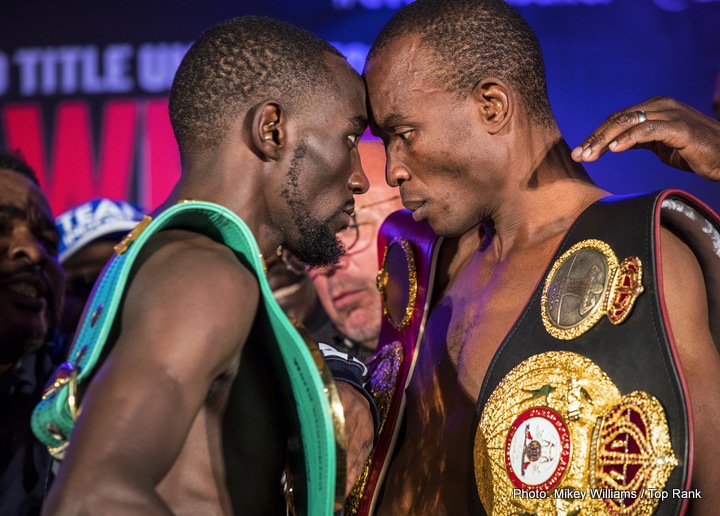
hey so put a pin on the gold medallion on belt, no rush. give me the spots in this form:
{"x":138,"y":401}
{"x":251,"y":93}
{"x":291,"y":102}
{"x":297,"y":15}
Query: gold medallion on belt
{"x":586,"y":283}
{"x":557,"y":437}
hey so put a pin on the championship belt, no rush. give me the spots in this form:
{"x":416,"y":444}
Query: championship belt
{"x":584,"y":408}
{"x":407,"y":252}
{"x":320,"y":453}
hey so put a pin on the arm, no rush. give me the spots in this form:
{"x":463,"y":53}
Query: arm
{"x":359,"y":430}
{"x":186,"y":315}
{"x":362,"y":420}
{"x":686,"y":302}
{"x":681,"y":136}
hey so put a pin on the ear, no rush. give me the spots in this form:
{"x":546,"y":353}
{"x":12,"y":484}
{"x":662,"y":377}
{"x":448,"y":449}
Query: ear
{"x":268,"y":129}
{"x":496,"y":103}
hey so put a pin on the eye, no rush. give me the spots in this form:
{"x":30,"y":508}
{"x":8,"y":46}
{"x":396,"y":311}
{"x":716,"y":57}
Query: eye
{"x":404,"y":135}
{"x":51,"y":242}
{"x":6,"y":226}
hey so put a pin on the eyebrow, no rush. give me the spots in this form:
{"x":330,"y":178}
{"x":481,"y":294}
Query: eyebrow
{"x":12,"y":212}
{"x":359,"y":121}
{"x":391,"y":120}
{"x":8,"y":211}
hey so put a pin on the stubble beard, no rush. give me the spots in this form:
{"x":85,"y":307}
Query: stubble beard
{"x":318,"y":246}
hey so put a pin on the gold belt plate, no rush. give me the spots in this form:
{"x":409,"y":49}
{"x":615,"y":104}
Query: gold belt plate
{"x":586,"y":283}
{"x":557,"y":437}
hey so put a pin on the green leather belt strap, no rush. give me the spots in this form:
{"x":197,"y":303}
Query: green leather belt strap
{"x":54,"y":417}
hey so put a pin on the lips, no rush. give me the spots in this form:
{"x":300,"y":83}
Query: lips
{"x":23,"y":288}
{"x":346,"y":298}
{"x":418,"y":209}
{"x":412,"y":205}
{"x":344,"y":215}
{"x":349,"y":208}
{"x":27,"y":290}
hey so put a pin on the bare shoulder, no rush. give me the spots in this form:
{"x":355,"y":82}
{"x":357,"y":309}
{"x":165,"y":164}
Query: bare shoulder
{"x":191,"y":289}
{"x":687,"y":305}
{"x":684,"y":287}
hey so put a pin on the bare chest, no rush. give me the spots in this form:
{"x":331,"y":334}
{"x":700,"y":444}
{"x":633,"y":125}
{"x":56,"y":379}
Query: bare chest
{"x":484,"y":304}
{"x":463,"y":331}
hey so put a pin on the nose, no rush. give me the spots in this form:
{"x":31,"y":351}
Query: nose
{"x":24,"y":246}
{"x":396,"y":173}
{"x":358,"y":182}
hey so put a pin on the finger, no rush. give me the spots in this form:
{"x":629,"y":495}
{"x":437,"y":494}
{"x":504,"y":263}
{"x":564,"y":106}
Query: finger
{"x":597,"y":143}
{"x":668,"y":133}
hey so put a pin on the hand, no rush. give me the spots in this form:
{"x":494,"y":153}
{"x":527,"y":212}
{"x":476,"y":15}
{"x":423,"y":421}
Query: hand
{"x":359,"y":431}
{"x":681,"y":136}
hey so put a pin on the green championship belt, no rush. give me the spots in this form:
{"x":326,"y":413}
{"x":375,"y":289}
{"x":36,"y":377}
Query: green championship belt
{"x":318,"y":478}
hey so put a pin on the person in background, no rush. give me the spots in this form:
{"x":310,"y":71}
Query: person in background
{"x":294,"y":291}
{"x":31,"y":287}
{"x":347,"y":290}
{"x":88,"y":233}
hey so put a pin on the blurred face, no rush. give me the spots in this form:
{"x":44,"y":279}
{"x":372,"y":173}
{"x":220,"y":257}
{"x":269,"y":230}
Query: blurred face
{"x":437,"y":151}
{"x":325,"y":168}
{"x":31,"y":281}
{"x":291,"y":286}
{"x":81,"y":271}
{"x":347,"y":291}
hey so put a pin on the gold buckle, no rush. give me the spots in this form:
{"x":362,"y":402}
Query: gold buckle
{"x":66,"y":373}
{"x":128,"y":239}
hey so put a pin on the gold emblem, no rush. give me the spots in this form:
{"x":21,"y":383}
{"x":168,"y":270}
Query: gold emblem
{"x":586,"y":283}
{"x":557,"y":437}
{"x":397,"y":282}
{"x":128,"y":239}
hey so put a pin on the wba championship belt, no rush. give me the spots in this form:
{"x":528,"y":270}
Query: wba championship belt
{"x":315,"y":479}
{"x":584,"y":408}
{"x":407,"y":252}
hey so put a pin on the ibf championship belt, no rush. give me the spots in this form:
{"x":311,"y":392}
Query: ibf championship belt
{"x":407,"y":252}
{"x":584,"y":408}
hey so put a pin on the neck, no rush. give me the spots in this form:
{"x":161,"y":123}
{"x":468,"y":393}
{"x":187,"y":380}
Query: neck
{"x":548,"y":191}
{"x":215,"y":178}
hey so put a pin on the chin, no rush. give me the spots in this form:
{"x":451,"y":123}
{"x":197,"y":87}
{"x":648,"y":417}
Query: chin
{"x":450,"y":226}
{"x":362,"y":327}
{"x":445,"y":230}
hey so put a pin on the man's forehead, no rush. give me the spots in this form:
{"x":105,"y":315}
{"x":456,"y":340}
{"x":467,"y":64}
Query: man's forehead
{"x":406,"y":56}
{"x":20,"y":192}
{"x":400,"y":73}
{"x":14,"y":187}
{"x":348,"y":81}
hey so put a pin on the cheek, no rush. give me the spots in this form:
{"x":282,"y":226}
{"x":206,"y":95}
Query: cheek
{"x":322,"y":288}
{"x":330,"y":163}
{"x":56,"y":280}
{"x":367,"y":262}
